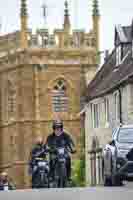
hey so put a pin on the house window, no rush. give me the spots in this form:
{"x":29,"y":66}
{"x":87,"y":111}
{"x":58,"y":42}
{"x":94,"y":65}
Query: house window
{"x":95,"y":115}
{"x":132,"y":48}
{"x":106,"y":110}
{"x":116,"y":106}
{"x":118,"y":55}
{"x":59,"y":97}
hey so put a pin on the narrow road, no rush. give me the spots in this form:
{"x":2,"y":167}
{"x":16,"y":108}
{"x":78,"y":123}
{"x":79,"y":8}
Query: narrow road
{"x":99,"y":193}
{"x":128,"y":185}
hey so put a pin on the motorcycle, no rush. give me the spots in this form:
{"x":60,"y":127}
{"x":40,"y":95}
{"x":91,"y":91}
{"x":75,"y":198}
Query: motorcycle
{"x":41,"y":173}
{"x":60,"y":170}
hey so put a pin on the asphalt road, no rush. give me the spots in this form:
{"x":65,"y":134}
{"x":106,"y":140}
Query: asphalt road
{"x":99,"y":193}
{"x":128,"y":185}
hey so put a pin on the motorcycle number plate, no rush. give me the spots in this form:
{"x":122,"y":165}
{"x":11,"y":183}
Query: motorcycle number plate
{"x":61,"y":151}
{"x":41,"y":164}
{"x":62,"y":159}
{"x":6,"y":188}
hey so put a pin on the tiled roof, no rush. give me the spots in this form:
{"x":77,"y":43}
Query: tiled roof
{"x":109,"y":77}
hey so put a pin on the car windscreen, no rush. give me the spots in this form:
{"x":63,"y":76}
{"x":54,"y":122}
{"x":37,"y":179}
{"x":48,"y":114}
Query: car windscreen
{"x":125,"y":135}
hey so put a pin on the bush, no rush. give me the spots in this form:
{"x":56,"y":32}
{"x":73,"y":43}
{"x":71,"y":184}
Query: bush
{"x":78,"y":173}
{"x":78,"y":166}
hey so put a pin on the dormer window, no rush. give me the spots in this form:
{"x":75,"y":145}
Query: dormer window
{"x":118,"y":55}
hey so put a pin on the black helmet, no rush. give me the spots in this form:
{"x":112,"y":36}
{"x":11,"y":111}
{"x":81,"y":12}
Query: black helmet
{"x":57,"y":124}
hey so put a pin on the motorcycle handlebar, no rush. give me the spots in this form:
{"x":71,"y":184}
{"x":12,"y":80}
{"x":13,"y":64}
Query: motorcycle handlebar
{"x":55,"y":149}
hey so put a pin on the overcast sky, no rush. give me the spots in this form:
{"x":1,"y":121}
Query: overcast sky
{"x":112,"y":12}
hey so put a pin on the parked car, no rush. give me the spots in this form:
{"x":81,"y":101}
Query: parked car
{"x":116,"y":164}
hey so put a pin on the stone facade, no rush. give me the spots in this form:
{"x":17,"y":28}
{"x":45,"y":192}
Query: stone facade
{"x":32,"y":68}
{"x":27,"y":81}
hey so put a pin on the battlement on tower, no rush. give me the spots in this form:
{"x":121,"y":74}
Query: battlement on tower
{"x":43,"y":39}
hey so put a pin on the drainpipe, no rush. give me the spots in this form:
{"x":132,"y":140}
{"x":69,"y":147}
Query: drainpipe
{"x":120,"y":106}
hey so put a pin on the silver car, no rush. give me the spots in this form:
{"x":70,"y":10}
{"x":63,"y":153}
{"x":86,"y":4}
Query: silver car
{"x":116,"y":165}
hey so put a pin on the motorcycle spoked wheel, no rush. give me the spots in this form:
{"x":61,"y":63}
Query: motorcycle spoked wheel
{"x":42,"y":180}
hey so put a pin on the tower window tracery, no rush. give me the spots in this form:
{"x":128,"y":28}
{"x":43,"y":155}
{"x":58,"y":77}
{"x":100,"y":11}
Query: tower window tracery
{"x":59,"y":97}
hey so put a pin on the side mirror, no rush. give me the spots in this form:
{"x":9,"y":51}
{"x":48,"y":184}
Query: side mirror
{"x":112,"y":142}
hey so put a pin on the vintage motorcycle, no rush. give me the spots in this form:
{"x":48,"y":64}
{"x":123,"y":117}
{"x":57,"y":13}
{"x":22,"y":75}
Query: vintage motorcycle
{"x":41,"y":173}
{"x":60,"y":171}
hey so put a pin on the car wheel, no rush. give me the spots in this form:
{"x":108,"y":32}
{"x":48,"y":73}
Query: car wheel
{"x":117,"y":181}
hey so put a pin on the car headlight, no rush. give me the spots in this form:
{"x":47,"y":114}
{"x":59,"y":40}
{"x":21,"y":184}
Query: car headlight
{"x":118,"y":166}
{"x":120,"y":162}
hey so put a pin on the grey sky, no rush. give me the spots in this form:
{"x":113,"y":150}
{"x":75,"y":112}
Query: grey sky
{"x":112,"y":12}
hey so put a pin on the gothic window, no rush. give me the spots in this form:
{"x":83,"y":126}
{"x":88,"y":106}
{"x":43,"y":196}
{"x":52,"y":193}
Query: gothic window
{"x":59,"y":97}
{"x":93,"y":42}
{"x":45,"y":40}
{"x":11,"y":98}
{"x":88,"y":43}
{"x":39,"y":40}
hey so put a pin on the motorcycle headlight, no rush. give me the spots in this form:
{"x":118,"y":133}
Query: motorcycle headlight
{"x":118,"y":166}
{"x":61,"y":151}
{"x":41,"y":164}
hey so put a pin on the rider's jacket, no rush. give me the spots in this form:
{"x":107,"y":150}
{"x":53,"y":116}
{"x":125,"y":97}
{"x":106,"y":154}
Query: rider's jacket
{"x":64,"y":140}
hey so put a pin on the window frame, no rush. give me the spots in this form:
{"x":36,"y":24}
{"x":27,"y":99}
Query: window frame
{"x":95,"y":115}
{"x":116,"y":106}
{"x":106,"y":105}
{"x":118,"y":54}
{"x":59,"y":97}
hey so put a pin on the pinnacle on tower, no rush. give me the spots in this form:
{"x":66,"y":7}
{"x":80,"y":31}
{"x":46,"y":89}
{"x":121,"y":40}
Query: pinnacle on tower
{"x":23,"y":16}
{"x":96,"y":26}
{"x":23,"y":8}
{"x":66,"y":17}
{"x":66,"y":8}
{"x":95,"y":8}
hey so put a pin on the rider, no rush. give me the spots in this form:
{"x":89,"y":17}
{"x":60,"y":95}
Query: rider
{"x":5,"y":182}
{"x":58,"y":138}
{"x":38,"y":151}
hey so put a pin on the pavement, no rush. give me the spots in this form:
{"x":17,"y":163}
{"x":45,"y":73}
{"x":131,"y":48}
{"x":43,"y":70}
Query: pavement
{"x":89,"y":193}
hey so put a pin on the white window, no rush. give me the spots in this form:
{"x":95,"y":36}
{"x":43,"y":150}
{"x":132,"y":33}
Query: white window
{"x":116,"y":106}
{"x":118,"y":55}
{"x":95,"y":115}
{"x":59,"y":97}
{"x":132,"y":48}
{"x":106,"y":103}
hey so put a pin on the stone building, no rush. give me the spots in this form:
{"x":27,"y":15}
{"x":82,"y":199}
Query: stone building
{"x":42,"y":77}
{"x":110,"y":94}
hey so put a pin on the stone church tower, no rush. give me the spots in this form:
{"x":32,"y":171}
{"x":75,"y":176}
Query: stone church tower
{"x":42,"y":77}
